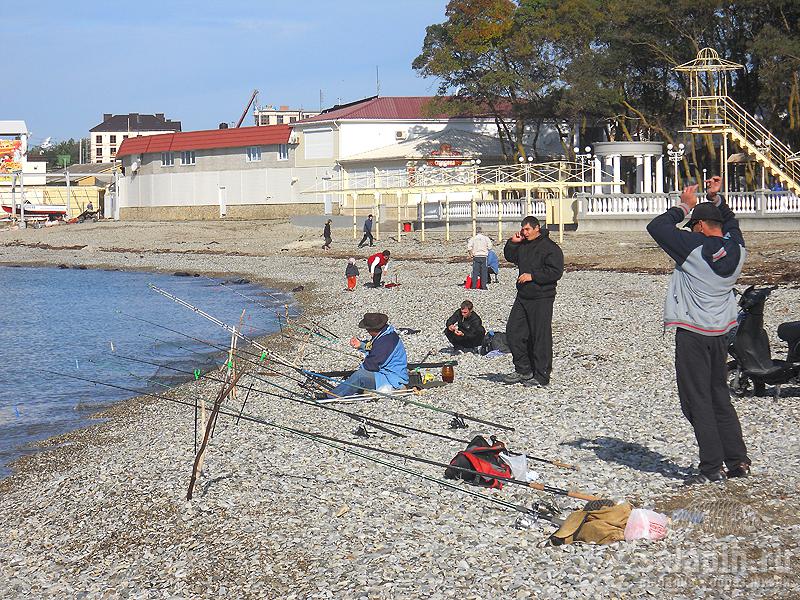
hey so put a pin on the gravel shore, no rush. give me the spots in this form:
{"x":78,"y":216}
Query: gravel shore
{"x":101,"y":513}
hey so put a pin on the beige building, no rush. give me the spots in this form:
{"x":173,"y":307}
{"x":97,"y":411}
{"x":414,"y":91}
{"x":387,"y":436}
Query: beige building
{"x":283,"y":115}
{"x":105,"y":138}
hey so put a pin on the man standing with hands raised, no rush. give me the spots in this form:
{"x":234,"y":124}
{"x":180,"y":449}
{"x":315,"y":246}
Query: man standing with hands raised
{"x":701,"y":306}
{"x":529,"y":331}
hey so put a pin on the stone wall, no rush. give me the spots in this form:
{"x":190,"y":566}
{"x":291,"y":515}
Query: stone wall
{"x":210,"y":212}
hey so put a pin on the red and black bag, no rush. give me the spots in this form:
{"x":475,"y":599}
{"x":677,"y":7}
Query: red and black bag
{"x":482,"y":457}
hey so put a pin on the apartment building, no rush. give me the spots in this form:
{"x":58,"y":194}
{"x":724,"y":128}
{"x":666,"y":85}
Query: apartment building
{"x":106,"y":138}
{"x":283,"y":115}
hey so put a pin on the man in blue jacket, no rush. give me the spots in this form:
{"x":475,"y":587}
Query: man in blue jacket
{"x":385,"y":367}
{"x":708,"y":253}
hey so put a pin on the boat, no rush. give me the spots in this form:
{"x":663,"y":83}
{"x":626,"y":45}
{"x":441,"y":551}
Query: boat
{"x":47,"y":211}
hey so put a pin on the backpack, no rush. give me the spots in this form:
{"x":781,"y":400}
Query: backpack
{"x":495,"y":341}
{"x":482,"y":457}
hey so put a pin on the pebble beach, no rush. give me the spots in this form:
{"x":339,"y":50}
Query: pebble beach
{"x":102,"y":512}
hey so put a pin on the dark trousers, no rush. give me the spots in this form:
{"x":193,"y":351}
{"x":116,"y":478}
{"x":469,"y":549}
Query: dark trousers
{"x":376,"y":276}
{"x":367,"y":235}
{"x":479,"y":269}
{"x":463,"y":341}
{"x":529,"y":333}
{"x":328,"y":241}
{"x":701,"y":371}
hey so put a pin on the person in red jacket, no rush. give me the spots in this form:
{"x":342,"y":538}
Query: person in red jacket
{"x":378,"y":263}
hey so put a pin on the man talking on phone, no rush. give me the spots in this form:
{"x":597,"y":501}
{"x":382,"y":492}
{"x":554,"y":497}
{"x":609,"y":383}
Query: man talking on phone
{"x":529,"y":331}
{"x":701,"y":306}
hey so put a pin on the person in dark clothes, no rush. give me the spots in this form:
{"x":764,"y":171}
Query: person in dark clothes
{"x":529,"y":331}
{"x":351,"y":273}
{"x":701,"y":305}
{"x":326,"y":233}
{"x":464,"y":328}
{"x":367,"y":233}
{"x":378,"y":263}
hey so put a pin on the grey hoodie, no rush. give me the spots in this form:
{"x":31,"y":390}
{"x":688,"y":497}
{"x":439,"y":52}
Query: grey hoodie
{"x":700,"y":294}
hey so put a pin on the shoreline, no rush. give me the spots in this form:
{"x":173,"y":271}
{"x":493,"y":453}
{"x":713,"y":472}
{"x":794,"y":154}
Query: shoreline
{"x":275,"y":516}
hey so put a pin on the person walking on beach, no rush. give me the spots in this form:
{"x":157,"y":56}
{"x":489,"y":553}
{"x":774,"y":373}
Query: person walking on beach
{"x":529,"y":331}
{"x":378,"y":264}
{"x":326,"y":233}
{"x":367,"y":233}
{"x":385,"y":367}
{"x":464,"y":329}
{"x":478,"y":248}
{"x":709,"y":254}
{"x":351,"y":273}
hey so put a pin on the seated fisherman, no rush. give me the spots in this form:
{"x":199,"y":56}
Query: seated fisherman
{"x":464,"y":328}
{"x":493,"y":264}
{"x":385,"y":367}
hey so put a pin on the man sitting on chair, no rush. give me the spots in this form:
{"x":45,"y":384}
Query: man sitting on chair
{"x":385,"y":368}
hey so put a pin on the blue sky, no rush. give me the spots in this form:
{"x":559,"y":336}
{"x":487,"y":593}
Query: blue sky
{"x":67,"y":63}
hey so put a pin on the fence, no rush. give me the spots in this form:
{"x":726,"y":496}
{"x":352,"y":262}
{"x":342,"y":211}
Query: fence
{"x":80,"y":196}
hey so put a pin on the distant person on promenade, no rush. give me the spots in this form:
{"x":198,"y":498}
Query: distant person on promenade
{"x":326,"y":233}
{"x":385,"y":367}
{"x":367,"y":233}
{"x":378,"y":264}
{"x":464,"y":328}
{"x":351,"y":273}
{"x":493,"y":264}
{"x":478,"y":248}
{"x":701,"y":305}
{"x":777,"y":186}
{"x":529,"y":331}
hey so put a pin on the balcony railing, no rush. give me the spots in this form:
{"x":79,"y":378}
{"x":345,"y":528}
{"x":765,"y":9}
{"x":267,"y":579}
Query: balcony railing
{"x":752,"y":203}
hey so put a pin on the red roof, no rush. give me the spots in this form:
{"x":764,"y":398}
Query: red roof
{"x":386,"y":107}
{"x":207,"y":139}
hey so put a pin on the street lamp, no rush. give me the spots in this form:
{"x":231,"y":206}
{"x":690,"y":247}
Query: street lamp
{"x":675,"y":155}
{"x":585,"y":159}
{"x":764,"y":148}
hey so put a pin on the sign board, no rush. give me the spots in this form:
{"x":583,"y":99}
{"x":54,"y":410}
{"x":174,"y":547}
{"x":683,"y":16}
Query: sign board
{"x":445,"y":156}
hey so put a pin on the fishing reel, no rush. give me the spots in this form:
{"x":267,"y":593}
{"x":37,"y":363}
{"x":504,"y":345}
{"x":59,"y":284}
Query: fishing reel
{"x":540,"y":510}
{"x":458,"y":422}
{"x":362,"y":431}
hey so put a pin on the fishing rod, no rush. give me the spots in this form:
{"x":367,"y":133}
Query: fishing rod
{"x":280,"y":360}
{"x":411,"y":367}
{"x":374,"y":420}
{"x":338,"y":445}
{"x":446,"y":411}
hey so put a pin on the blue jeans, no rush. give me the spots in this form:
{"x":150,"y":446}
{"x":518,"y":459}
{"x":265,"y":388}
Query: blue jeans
{"x":479,"y":270}
{"x":360,"y":380}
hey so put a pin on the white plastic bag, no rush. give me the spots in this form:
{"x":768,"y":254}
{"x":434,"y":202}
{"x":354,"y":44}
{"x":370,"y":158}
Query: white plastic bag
{"x":646,"y":524}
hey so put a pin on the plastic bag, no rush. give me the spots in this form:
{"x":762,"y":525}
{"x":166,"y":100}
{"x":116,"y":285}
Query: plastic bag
{"x":646,"y":524}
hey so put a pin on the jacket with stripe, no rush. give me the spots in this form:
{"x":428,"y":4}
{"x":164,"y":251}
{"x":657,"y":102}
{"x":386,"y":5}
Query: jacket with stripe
{"x":700,"y":293}
{"x":386,"y":358}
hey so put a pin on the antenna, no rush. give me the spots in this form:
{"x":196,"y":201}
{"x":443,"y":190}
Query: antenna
{"x":377,"y":81}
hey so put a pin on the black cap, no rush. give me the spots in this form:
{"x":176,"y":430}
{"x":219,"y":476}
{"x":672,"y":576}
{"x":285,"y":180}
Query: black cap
{"x":373,"y":321}
{"x":704,"y":211}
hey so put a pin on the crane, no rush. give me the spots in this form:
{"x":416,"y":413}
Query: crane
{"x":246,"y":108}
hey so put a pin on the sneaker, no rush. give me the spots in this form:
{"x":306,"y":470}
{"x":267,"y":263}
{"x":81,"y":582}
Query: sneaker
{"x":702,"y":478}
{"x":516,"y":377}
{"x":740,"y":470}
{"x":535,"y":383}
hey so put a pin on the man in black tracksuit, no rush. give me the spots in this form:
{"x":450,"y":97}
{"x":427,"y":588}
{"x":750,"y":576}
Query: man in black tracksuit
{"x":464,"y":328}
{"x":701,"y":306}
{"x":529,"y":330}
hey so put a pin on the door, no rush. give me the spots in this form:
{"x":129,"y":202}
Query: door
{"x":223,"y":201}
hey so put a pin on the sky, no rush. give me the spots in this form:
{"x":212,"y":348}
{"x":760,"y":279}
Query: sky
{"x":67,"y":63}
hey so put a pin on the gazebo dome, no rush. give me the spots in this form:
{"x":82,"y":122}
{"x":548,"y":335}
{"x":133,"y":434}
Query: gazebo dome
{"x":708,"y":60}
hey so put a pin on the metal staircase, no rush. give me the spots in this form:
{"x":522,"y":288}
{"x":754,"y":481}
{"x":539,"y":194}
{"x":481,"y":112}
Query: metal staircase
{"x":709,"y":109}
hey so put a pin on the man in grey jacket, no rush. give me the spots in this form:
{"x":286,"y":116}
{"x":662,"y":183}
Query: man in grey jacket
{"x":701,"y":306}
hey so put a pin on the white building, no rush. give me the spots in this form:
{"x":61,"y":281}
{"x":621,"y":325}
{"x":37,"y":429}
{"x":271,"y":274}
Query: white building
{"x":106,"y":138}
{"x":283,"y":115}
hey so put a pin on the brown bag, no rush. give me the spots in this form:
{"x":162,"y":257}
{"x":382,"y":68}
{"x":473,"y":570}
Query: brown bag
{"x":603,"y":526}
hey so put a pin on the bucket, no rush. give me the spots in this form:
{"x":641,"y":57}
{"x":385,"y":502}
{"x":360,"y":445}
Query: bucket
{"x":407,"y":227}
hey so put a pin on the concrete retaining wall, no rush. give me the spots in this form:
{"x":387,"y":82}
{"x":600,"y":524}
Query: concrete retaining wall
{"x":211,"y":212}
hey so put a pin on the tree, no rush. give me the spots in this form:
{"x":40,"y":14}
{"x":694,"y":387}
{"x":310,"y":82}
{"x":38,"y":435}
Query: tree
{"x":69,"y":147}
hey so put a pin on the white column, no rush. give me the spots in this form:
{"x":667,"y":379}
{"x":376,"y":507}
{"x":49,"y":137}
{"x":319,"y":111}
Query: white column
{"x":647,"y":181}
{"x":639,"y":174}
{"x":617,"y":165}
{"x":660,"y":175}
{"x":597,"y":174}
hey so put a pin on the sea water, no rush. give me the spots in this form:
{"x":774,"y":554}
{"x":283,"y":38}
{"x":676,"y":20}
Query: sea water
{"x":81,"y":322}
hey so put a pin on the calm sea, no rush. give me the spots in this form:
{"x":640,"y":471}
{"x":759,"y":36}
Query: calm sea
{"x":68,"y":320}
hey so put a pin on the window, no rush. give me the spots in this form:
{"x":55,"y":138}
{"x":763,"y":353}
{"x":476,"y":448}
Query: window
{"x":280,"y":119}
{"x":112,"y":139}
{"x":167,"y":159}
{"x":113,"y":151}
{"x":254,"y":154}
{"x":292,"y":119}
{"x":98,"y":139}
{"x":124,"y":137}
{"x":99,"y":152}
{"x":283,"y":152}
{"x":265,"y":119}
{"x":188,"y":157}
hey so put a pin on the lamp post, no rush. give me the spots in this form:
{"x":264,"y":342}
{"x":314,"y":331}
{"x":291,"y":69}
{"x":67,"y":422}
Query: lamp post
{"x":585,"y":159}
{"x":764,"y":148}
{"x":675,"y":155}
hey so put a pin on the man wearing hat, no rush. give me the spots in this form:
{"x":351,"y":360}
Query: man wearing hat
{"x":385,"y":368}
{"x":708,"y":253}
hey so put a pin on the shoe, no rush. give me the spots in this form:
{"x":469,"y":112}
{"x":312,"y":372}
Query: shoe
{"x":702,"y":478}
{"x":516,"y":377}
{"x":535,"y":382}
{"x":740,"y":470}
